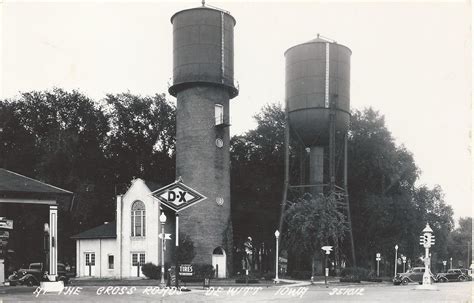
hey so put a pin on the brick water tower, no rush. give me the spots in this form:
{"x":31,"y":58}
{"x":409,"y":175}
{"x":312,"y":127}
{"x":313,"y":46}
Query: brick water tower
{"x":203,"y":83}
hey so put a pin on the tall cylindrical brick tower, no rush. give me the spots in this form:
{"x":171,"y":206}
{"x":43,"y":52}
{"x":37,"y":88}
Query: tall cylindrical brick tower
{"x":203,"y":83}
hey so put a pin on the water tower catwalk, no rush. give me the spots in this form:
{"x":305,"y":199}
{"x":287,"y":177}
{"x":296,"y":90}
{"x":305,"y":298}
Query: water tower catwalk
{"x":318,"y":115}
{"x":203,"y":83}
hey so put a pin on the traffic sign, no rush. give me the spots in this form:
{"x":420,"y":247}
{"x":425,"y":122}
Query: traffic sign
{"x":167,"y":236}
{"x":178,"y":196}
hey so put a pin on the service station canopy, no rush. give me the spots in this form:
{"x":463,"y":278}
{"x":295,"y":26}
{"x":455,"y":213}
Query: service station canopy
{"x":178,"y":196}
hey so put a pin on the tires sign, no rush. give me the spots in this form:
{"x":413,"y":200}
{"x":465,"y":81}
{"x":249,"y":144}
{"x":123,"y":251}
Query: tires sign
{"x":185,"y":270}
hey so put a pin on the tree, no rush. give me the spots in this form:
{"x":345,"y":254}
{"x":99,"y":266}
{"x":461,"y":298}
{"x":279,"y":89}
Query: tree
{"x":431,"y":208}
{"x":381,"y":182}
{"x":90,"y":148}
{"x":186,"y":249}
{"x":387,"y":207}
{"x":313,"y":223}
{"x":58,"y":137}
{"x":257,"y":177}
{"x":142,"y":138}
{"x":17,"y":147}
{"x":460,"y":244}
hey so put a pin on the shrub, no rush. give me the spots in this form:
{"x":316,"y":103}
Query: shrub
{"x":203,"y":270}
{"x":268,"y":276}
{"x":301,"y":275}
{"x":354,"y":274}
{"x":151,"y":271}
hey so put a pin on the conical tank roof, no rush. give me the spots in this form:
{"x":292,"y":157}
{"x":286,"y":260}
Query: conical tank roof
{"x":317,"y":40}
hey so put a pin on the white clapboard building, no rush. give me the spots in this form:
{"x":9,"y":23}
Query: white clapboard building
{"x":119,"y":249}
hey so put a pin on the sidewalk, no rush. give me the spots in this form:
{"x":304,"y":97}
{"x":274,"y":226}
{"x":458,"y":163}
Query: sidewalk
{"x":150,"y":282}
{"x":229,"y":282}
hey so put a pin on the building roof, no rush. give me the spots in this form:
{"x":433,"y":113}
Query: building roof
{"x":152,"y":185}
{"x":105,"y":231}
{"x":11,"y":182}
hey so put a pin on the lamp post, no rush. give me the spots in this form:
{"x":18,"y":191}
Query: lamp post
{"x":451,"y":263}
{"x":277,"y":235}
{"x":444,"y":265}
{"x":396,"y":250}
{"x":404,"y":259}
{"x":378,"y":258}
{"x":46,"y":249}
{"x":163,"y":221}
{"x":327,"y":249}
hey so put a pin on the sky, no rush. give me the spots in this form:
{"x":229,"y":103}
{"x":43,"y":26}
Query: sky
{"x":411,"y":61}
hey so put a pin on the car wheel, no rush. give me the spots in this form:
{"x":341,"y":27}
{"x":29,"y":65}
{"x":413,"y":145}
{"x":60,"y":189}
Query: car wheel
{"x":461,"y":279}
{"x":30,"y":282}
{"x":405,"y":281}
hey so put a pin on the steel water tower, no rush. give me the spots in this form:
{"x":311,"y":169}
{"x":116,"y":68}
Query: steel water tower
{"x":318,"y":114}
{"x":203,"y":83}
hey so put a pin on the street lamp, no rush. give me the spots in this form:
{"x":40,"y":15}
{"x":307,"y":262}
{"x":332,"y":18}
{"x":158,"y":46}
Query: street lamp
{"x":378,"y":258}
{"x":451,"y":263}
{"x":163,"y":221}
{"x":404,"y":258}
{"x":277,"y":235}
{"x":444,"y":265}
{"x":396,"y":250}
{"x":327,"y":249}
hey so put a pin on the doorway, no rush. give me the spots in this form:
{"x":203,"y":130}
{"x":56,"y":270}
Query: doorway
{"x":219,"y":259}
{"x":138,"y":259}
{"x":90,"y":264}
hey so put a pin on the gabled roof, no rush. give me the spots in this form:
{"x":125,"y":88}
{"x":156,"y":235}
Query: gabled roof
{"x":105,"y":231}
{"x":152,"y":185}
{"x":14,"y":183}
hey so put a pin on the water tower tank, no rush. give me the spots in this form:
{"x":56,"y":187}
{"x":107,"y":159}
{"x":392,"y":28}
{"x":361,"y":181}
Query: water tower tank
{"x":317,"y":73}
{"x":203,"y":49}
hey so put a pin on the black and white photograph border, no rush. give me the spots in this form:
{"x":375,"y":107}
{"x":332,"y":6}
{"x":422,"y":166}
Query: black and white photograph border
{"x":238,"y":151}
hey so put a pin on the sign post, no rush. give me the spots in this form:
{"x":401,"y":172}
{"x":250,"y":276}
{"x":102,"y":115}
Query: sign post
{"x":177,"y":196}
{"x":378,"y":258}
{"x":176,"y":265}
{"x":328,"y":250}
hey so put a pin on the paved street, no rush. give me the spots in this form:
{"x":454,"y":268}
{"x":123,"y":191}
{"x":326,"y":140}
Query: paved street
{"x":448,"y":292}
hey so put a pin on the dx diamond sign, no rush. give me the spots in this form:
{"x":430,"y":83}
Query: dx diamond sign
{"x":178,"y":196}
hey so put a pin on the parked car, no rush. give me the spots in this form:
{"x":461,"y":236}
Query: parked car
{"x":34,"y":274}
{"x":16,"y":278}
{"x":454,"y":275}
{"x":412,"y":275}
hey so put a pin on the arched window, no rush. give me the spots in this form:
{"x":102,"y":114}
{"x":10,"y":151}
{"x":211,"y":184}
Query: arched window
{"x":138,"y":219}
